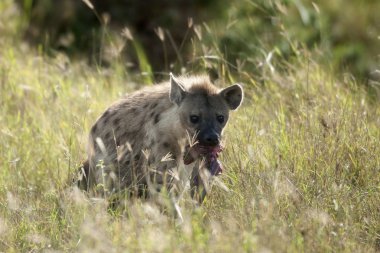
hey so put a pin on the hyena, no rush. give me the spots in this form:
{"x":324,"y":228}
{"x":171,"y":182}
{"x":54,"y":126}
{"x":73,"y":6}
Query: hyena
{"x":139,"y":142}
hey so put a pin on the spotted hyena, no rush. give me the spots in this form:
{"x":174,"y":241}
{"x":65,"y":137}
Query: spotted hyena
{"x":140,"y":141}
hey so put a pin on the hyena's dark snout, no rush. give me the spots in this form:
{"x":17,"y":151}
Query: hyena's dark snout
{"x":209,"y":138}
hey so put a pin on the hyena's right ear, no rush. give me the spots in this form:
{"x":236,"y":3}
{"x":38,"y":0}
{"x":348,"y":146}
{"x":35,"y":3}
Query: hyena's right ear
{"x":177,"y":91}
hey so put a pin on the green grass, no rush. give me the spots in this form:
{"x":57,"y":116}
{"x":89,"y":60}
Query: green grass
{"x":302,"y":164}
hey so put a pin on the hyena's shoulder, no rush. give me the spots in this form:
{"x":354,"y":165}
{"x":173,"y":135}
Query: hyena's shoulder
{"x":125,"y":119}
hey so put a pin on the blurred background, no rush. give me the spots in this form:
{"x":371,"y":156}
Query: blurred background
{"x":302,"y":157}
{"x":252,"y":36}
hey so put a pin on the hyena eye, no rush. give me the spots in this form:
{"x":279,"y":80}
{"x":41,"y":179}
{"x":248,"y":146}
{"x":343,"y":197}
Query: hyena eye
{"x":194,"y":119}
{"x":220,"y":118}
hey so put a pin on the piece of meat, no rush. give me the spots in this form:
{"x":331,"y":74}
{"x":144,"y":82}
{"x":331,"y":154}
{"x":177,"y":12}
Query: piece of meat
{"x":209,"y":153}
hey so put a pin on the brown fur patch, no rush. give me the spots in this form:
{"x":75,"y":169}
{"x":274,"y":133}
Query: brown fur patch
{"x":93,"y":129}
{"x":105,"y":120}
{"x":199,"y":85}
{"x":105,"y":114}
{"x":204,"y":89}
{"x":116,"y":122}
{"x":156,"y":118}
{"x":124,"y":137}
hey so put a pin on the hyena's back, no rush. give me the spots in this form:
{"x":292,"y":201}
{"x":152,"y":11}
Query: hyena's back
{"x":121,"y":134}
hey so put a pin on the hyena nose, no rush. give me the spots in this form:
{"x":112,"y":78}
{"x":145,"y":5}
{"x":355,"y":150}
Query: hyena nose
{"x":211,"y":139}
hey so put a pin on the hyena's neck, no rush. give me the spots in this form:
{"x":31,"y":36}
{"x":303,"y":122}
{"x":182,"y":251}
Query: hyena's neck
{"x":171,"y":124}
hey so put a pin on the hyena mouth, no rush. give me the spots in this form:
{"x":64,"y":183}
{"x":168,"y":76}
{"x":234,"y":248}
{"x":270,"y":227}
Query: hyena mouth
{"x":209,"y":153}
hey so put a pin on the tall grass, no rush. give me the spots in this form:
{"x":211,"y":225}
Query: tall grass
{"x":301,"y":163}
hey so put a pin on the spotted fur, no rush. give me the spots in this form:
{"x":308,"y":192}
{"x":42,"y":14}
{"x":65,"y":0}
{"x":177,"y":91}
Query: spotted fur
{"x":139,"y":141}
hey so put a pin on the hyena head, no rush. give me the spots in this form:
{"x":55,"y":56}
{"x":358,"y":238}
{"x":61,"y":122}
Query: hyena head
{"x":204,"y":109}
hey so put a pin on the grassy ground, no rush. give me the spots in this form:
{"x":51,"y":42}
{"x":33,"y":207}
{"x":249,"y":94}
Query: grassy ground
{"x":302,"y":164}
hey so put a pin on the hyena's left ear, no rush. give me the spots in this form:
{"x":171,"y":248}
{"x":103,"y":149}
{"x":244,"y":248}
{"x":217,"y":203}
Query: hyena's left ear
{"x":177,"y":91}
{"x":233,"y":95}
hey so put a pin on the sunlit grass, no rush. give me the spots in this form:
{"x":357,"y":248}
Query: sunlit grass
{"x":301,"y":162}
